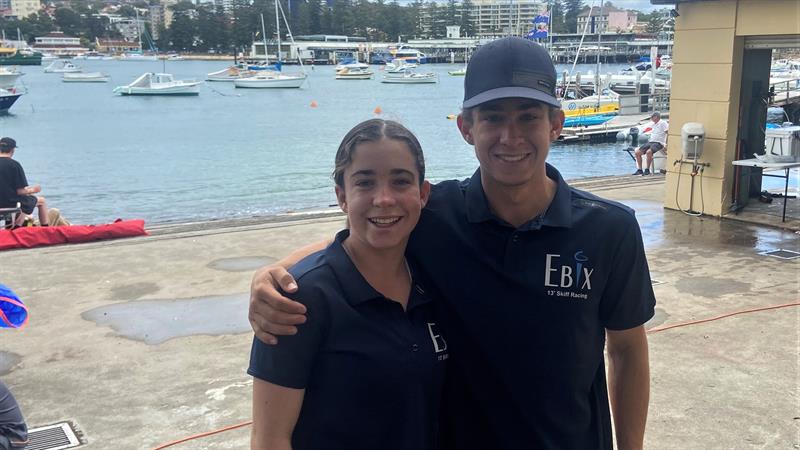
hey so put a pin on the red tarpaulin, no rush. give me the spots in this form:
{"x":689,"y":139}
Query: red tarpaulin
{"x":28,"y":237}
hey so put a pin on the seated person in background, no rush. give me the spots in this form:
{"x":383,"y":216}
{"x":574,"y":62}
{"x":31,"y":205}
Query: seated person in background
{"x":14,"y":186}
{"x":13,"y":431}
{"x":658,"y":141}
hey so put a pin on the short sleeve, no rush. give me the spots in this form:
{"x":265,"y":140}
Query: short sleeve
{"x":20,"y":180}
{"x":289,"y":363}
{"x":628,"y":299}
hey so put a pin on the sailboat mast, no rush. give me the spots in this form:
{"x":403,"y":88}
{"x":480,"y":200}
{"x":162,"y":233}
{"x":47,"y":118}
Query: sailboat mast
{"x":264,"y":35}
{"x":278,"y":29}
{"x":138,"y":30}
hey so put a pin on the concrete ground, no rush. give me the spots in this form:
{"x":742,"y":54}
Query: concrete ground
{"x":143,"y":341}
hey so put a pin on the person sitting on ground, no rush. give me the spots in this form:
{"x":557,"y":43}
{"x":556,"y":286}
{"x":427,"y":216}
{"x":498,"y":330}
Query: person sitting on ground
{"x":14,"y":186}
{"x":658,"y":142}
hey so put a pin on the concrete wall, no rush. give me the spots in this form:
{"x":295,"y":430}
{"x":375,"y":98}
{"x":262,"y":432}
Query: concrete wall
{"x":706,"y":87}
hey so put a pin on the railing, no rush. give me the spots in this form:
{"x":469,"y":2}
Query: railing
{"x":784,"y":90}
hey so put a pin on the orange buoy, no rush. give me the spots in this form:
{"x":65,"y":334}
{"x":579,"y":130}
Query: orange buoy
{"x":378,"y":110}
{"x":313,"y":103}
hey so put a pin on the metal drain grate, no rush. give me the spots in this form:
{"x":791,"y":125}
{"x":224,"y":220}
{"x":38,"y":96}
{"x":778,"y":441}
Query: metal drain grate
{"x":52,"y":437}
{"x":782,"y":254}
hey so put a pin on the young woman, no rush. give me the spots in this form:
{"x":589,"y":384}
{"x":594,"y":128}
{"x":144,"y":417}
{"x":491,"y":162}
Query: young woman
{"x":366,"y":370}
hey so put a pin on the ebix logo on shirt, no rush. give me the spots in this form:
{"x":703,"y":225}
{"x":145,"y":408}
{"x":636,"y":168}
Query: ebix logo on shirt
{"x":561,"y":273}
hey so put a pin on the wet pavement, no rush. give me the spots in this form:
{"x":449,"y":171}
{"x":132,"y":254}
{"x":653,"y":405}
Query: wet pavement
{"x":143,"y":341}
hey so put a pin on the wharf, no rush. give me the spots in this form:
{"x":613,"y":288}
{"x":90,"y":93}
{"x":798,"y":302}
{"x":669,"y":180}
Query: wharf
{"x":728,"y":383}
{"x":605,"y":131}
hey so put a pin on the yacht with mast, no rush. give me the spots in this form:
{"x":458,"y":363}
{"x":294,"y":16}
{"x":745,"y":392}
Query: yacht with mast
{"x":139,"y":55}
{"x":274,"y":78}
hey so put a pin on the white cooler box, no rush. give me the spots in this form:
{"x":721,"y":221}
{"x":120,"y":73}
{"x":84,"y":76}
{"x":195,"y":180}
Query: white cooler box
{"x":783,"y":141}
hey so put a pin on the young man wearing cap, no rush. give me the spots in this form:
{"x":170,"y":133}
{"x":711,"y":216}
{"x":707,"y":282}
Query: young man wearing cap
{"x":658,"y":141}
{"x":14,"y":186}
{"x":536,"y":279}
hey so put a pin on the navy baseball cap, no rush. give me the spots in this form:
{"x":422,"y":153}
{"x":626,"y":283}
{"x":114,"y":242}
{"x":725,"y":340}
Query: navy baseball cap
{"x":7,"y":143}
{"x":510,"y":67}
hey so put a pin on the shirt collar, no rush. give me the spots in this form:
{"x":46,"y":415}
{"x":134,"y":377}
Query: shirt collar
{"x":558,"y":214}
{"x":354,"y":286}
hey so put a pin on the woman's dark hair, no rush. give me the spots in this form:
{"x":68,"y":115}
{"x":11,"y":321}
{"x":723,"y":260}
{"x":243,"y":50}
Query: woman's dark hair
{"x":374,"y":130}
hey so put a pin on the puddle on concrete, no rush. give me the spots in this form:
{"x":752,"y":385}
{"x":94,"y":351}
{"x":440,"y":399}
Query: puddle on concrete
{"x":660,"y":227}
{"x":157,"y":321}
{"x":8,"y":361}
{"x":133,"y":291}
{"x":650,"y":216}
{"x":711,"y":287}
{"x":243,"y":264}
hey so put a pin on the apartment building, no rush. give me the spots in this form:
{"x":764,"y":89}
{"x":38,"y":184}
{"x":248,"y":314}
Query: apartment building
{"x":607,"y":19}
{"x":19,"y":9}
{"x":496,"y":18}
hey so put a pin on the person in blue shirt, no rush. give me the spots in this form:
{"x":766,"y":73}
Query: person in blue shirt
{"x":366,"y":371}
{"x":536,"y":279}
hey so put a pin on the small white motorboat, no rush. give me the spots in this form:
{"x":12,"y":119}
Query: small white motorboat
{"x":271,"y":79}
{"x":231,"y":73}
{"x":159,"y":84}
{"x":399,"y":66}
{"x":354,"y":71}
{"x":85,"y":77}
{"x":411,"y":78}
{"x":8,"y":77}
{"x":62,"y":66}
{"x":135,"y":56}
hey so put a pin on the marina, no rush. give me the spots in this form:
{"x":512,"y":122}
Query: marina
{"x":259,"y":139}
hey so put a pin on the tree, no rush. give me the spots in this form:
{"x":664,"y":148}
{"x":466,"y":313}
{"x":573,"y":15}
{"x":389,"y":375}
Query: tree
{"x":571,"y":10}
{"x":557,"y":24}
{"x":467,"y":22}
{"x":342,"y":20}
{"x":126,"y":11}
{"x":182,"y":32}
{"x":69,"y":21}
{"x":655,"y":22}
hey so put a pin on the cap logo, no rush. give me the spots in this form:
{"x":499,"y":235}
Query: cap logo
{"x":533,"y":80}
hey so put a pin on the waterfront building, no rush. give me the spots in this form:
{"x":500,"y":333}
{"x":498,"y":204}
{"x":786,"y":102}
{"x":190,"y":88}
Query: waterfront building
{"x":58,"y":43}
{"x":607,"y":19}
{"x":721,"y":84}
{"x":498,"y":18}
{"x":112,"y":46}
{"x":19,"y":9}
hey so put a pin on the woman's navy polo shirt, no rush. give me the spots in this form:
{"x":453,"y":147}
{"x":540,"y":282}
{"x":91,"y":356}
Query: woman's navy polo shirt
{"x":372,"y":372}
{"x":525,"y":311}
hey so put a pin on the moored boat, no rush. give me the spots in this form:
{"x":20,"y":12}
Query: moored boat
{"x":62,"y":66}
{"x":85,"y":77}
{"x":231,"y":73}
{"x":354,"y":71}
{"x":7,"y":98}
{"x":159,"y":84}
{"x":270,"y":79}
{"x":14,"y":57}
{"x":411,"y":78}
{"x":8,"y":77}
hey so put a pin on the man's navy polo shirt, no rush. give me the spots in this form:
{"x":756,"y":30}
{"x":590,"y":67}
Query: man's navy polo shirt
{"x":372,"y":372}
{"x":525,"y":311}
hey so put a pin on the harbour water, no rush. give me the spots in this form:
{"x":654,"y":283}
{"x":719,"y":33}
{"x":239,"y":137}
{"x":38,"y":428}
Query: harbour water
{"x":228,"y":152}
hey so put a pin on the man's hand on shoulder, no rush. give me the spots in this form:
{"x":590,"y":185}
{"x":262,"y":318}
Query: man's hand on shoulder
{"x":270,"y":313}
